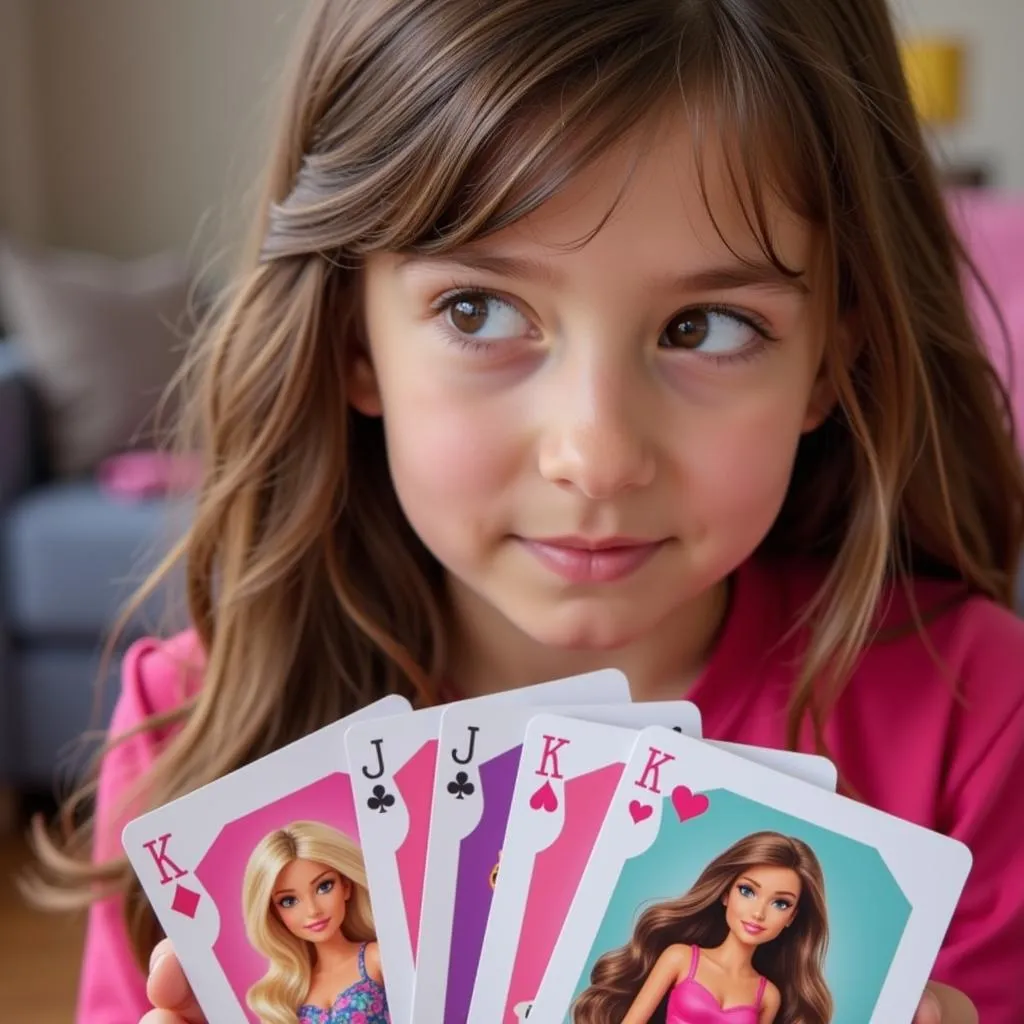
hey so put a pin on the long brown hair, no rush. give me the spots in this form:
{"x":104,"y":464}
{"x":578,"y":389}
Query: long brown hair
{"x":419,"y":125}
{"x":794,"y":962}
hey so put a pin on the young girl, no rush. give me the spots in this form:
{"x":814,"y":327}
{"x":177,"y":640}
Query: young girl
{"x":745,"y":945}
{"x":583,"y":333}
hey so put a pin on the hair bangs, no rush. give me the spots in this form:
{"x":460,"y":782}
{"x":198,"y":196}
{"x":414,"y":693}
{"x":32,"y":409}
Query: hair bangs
{"x":750,"y":126}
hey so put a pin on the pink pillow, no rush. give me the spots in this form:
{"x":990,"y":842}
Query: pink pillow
{"x":991,"y":225}
{"x":141,"y":475}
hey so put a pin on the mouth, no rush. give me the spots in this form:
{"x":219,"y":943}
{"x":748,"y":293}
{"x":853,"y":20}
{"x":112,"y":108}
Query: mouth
{"x":752,"y":929}
{"x":592,"y":560}
{"x":318,"y":926}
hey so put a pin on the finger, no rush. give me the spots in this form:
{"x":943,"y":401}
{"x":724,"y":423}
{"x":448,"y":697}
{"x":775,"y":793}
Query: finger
{"x":167,"y":988}
{"x":929,"y":1011}
{"x":943,"y":1003}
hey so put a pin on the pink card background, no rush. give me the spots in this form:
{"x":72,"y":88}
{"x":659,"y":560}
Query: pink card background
{"x":328,"y":800}
{"x":556,"y":874}
{"x":415,"y":781}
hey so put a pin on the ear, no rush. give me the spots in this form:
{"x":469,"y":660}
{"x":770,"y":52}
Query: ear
{"x":821,"y":403}
{"x":823,"y":396}
{"x":361,"y":381}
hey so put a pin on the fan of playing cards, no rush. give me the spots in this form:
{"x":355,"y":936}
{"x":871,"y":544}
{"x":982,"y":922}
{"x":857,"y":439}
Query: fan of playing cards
{"x":558,"y":853}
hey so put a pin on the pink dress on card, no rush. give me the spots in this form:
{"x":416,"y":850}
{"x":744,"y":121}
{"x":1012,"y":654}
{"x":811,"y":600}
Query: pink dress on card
{"x":691,"y":1003}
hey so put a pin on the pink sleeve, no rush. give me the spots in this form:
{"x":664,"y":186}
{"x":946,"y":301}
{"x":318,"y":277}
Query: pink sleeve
{"x":983,"y":954}
{"x":112,"y":989}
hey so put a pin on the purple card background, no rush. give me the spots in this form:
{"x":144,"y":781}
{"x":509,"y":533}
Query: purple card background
{"x":478,"y":854}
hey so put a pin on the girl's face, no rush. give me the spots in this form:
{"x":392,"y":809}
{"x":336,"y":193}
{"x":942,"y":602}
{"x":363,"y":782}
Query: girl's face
{"x":590,"y":437}
{"x":761,"y":903}
{"x":310,"y":899}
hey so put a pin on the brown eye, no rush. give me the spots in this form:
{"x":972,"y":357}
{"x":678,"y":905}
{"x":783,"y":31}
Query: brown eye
{"x":711,"y":332}
{"x":688,"y":330}
{"x":469,"y":313}
{"x":485,"y":317}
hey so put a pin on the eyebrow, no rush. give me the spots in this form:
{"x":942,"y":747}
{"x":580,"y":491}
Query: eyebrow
{"x":757,"y":885}
{"x":322,"y":875}
{"x":726,"y":277}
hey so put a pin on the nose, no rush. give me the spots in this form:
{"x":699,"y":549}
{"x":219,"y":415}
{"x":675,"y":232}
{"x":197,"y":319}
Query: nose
{"x":596,"y":439}
{"x":760,"y":912}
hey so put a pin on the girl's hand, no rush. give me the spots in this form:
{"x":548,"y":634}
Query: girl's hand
{"x":944,"y":1005}
{"x":168,"y":990}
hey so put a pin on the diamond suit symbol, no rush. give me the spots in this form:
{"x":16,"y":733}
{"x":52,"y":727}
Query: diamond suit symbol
{"x":185,"y":901}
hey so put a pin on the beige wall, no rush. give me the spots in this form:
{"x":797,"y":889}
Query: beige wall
{"x":154,"y":113}
{"x":993,"y":130}
{"x":130,"y":125}
{"x":21,"y":194}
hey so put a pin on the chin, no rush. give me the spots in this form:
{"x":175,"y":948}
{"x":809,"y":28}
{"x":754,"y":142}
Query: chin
{"x":583,"y":633}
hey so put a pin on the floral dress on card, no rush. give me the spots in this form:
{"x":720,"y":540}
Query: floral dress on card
{"x":363,"y":1002}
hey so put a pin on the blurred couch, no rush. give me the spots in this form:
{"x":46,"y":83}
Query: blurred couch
{"x":92,"y":344}
{"x":70,"y":555}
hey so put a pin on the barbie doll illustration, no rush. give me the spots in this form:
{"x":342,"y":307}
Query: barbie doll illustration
{"x":745,"y":945}
{"x":307,"y":910}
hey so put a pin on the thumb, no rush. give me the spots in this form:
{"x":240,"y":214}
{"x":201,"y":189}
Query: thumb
{"x":167,"y":987}
{"x":929,"y":1011}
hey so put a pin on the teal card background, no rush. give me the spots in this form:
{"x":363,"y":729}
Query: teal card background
{"x":867,"y":911}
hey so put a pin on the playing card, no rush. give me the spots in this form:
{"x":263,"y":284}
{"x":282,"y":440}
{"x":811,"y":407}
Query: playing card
{"x":824,"y":906}
{"x":477,"y":767}
{"x":813,"y":768}
{"x":205,"y":862}
{"x":552,"y":827}
{"x":393,"y":777}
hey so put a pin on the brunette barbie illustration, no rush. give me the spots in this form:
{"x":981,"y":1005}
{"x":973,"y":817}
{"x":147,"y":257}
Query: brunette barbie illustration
{"x":307,"y":910}
{"x":745,"y":945}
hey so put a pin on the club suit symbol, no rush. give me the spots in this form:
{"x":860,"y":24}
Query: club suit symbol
{"x":460,"y":787}
{"x":381,"y":800}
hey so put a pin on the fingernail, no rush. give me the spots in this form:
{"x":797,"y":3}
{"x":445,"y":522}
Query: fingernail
{"x":931,"y":1010}
{"x":156,"y":956}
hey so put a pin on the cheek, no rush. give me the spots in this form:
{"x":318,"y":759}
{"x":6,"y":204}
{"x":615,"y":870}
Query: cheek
{"x":448,"y":452}
{"x":739,"y":461}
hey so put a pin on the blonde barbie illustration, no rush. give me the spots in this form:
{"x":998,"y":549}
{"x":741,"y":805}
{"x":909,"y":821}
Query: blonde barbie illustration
{"x":307,"y":910}
{"x":746,"y":945}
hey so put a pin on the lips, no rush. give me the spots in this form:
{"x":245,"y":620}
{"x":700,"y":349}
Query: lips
{"x":587,"y":560}
{"x":318,"y":926}
{"x":752,"y":929}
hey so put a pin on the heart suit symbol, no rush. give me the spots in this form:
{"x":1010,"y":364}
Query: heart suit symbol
{"x":688,"y":805}
{"x":544,"y":799}
{"x":639,"y":812}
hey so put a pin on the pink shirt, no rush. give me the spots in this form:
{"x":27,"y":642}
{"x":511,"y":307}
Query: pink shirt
{"x":903,"y":738}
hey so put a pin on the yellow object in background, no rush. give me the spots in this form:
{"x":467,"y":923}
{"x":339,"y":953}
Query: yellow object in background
{"x":935,"y":69}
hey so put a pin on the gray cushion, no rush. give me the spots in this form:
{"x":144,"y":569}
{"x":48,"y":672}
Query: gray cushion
{"x":71,"y":556}
{"x":60,"y":707}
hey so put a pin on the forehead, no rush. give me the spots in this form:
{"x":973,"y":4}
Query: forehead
{"x":655,"y":198}
{"x":774,"y":879}
{"x":299,"y":873}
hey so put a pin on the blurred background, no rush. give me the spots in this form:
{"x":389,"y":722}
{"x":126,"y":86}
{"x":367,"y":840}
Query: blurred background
{"x":131,"y":135}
